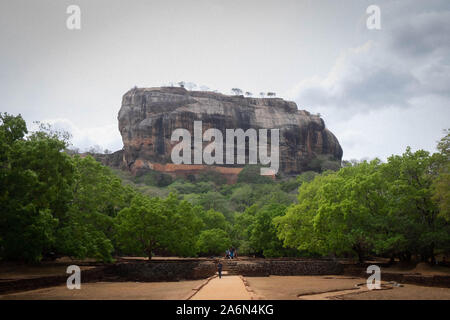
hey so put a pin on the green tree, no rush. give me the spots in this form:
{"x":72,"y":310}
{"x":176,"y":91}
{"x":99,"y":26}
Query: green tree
{"x":297,"y":228}
{"x":335,"y":213}
{"x":214,"y":220}
{"x":154,"y":225}
{"x":323,"y":163}
{"x":441,"y":184}
{"x":242,"y":228}
{"x":154,"y":178}
{"x":441,"y":195}
{"x":97,"y":196}
{"x":386,"y":209}
{"x":444,"y":145}
{"x":242,"y":197}
{"x":263,"y":234}
{"x":141,"y":227}
{"x":212,"y":200}
{"x":212,"y":176}
{"x":252,"y":174}
{"x":35,"y":181}
{"x":410,"y":200}
{"x":213,"y":242}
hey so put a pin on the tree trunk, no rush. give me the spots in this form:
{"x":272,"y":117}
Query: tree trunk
{"x":360,"y":257}
{"x":408,"y":256}
{"x":358,"y":249}
{"x":392,"y":260}
{"x":433,"y":258}
{"x":405,"y":256}
{"x":149,"y":253}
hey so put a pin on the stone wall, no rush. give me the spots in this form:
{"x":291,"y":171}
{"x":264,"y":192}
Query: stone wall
{"x":16,"y":285}
{"x":162,"y":270}
{"x":288,"y":268}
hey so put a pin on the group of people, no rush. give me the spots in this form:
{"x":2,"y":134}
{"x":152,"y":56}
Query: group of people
{"x":231,"y":253}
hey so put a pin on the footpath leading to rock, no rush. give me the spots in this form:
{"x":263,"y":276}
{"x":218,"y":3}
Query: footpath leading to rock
{"x":225,"y":288}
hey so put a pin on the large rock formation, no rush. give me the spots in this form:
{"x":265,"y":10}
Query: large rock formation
{"x":148,"y":117}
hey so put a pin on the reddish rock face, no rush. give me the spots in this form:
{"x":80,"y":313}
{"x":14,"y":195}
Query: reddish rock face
{"x":149,"y":116}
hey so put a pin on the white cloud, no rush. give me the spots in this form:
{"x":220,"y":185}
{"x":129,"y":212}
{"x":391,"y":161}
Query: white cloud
{"x":381,"y":133}
{"x":102,"y":137}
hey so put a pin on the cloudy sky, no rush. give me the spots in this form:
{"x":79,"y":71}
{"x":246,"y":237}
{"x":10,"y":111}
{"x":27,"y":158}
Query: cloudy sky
{"x":377,"y":90}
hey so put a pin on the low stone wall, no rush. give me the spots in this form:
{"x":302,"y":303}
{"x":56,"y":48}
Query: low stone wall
{"x":145,"y":271}
{"x":16,"y":285}
{"x":288,"y":268}
{"x":253,"y":269}
{"x":149,"y":271}
{"x":295,"y":268}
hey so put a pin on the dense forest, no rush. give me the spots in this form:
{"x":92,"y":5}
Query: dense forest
{"x":55,"y":202}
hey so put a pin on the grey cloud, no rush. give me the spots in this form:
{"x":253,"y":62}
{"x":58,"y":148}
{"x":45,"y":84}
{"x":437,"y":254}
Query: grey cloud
{"x":421,"y":34}
{"x":362,"y":79}
{"x":391,"y":91}
{"x":411,"y":59}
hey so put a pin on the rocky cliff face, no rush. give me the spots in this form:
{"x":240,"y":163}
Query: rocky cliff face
{"x":148,"y":117}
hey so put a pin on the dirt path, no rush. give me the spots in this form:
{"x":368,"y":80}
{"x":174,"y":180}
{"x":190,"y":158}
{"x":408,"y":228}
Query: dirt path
{"x":226,"y":288}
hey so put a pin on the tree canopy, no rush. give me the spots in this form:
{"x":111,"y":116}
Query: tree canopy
{"x":57,"y":202}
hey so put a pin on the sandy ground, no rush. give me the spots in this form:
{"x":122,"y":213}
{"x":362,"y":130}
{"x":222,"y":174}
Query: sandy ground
{"x":225,"y":288}
{"x":111,"y":291}
{"x":289,"y":287}
{"x":336,"y":287}
{"x":232,"y":288}
{"x":229,"y":287}
{"x":408,"y":292}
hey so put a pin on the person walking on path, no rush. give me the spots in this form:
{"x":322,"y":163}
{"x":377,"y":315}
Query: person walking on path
{"x":219,"y":269}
